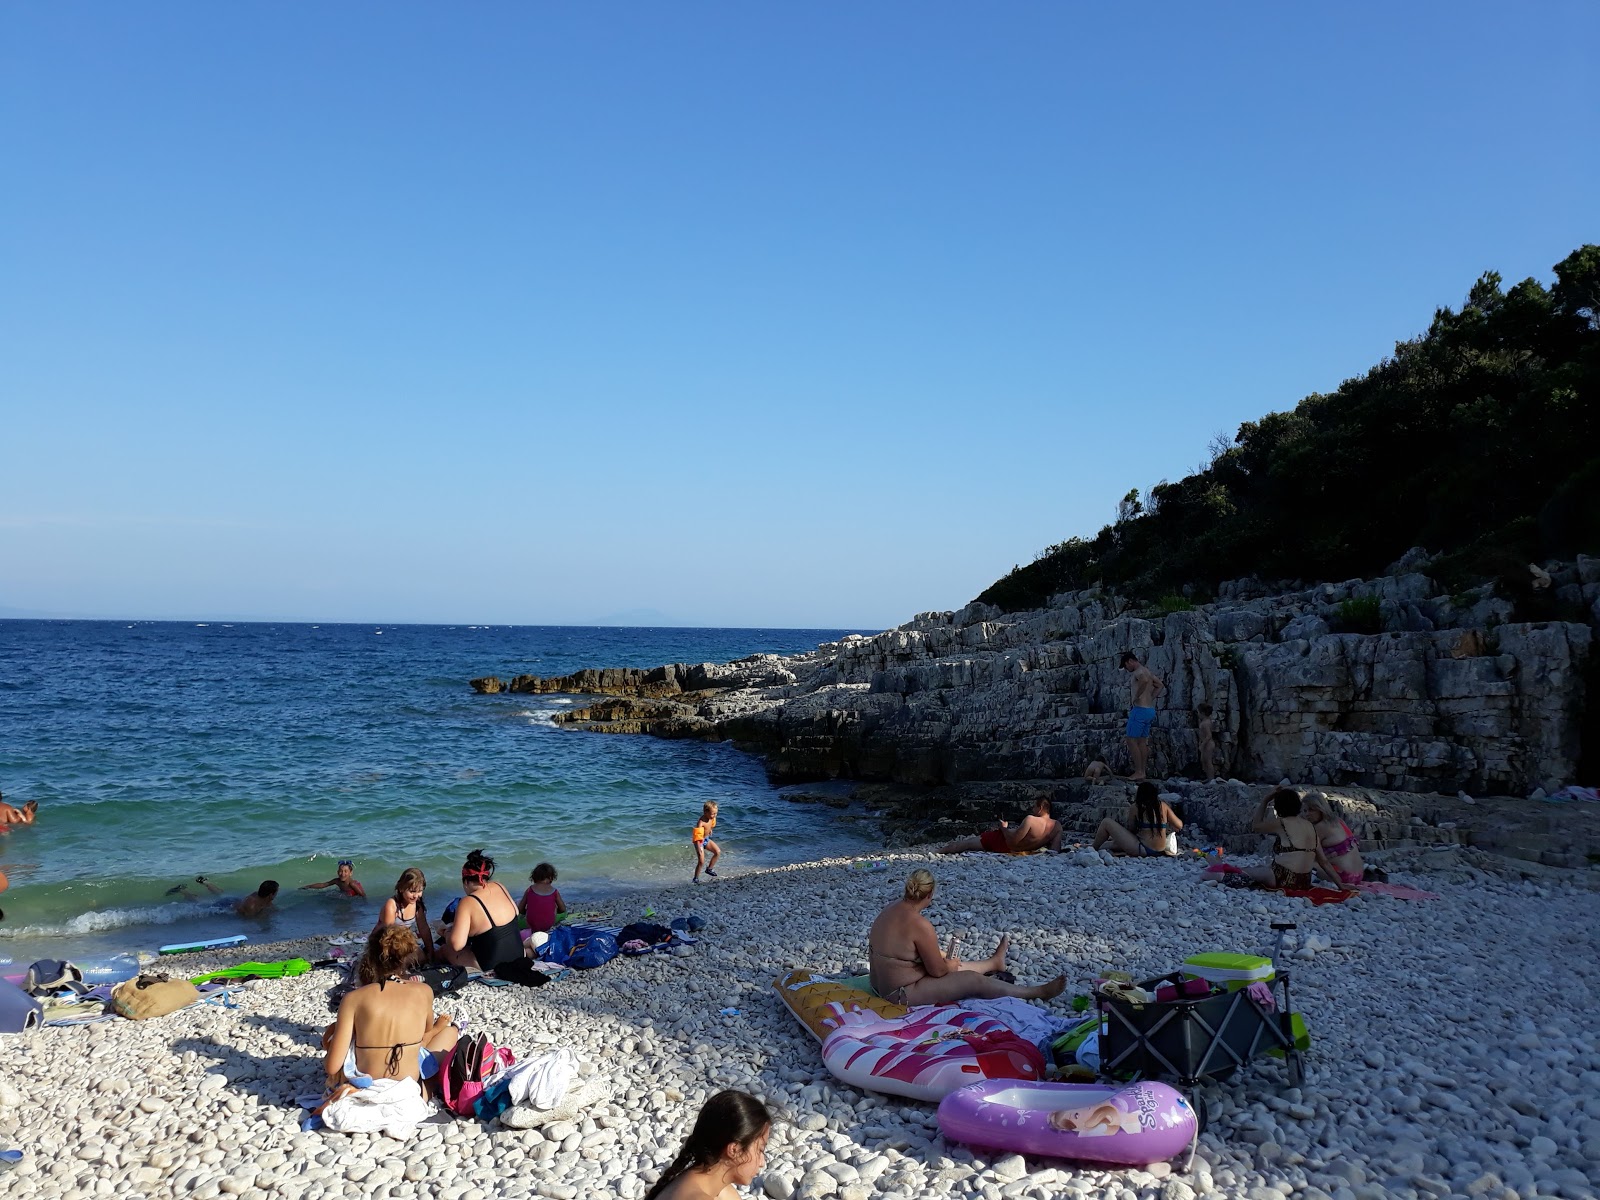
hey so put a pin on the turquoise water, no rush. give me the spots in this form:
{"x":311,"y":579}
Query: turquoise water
{"x":158,"y":751}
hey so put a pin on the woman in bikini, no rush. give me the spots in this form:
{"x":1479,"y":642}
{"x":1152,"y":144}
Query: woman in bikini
{"x":909,"y":968}
{"x":1337,"y":839}
{"x":1154,"y":832}
{"x":1295,"y":848}
{"x":405,"y":907}
{"x":386,"y":1029}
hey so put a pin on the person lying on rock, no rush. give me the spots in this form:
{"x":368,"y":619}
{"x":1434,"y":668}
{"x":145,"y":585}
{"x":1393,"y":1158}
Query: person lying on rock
{"x":1151,"y":831}
{"x":907,"y":966}
{"x":386,"y":1028}
{"x":1033,"y":832}
{"x":1295,"y":848}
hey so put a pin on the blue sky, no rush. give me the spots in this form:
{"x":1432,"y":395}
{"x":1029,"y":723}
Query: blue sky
{"x":741,"y":314}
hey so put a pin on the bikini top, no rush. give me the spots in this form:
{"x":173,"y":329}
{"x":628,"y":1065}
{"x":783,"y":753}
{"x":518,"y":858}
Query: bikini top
{"x":498,"y":943}
{"x":414,"y":920}
{"x":1339,"y":849}
{"x":1279,"y":848}
{"x":392,"y":1063}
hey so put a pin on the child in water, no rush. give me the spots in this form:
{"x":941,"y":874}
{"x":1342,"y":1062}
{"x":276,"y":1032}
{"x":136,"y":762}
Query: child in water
{"x":702,"y":841}
{"x":725,"y":1151}
{"x":542,"y":904}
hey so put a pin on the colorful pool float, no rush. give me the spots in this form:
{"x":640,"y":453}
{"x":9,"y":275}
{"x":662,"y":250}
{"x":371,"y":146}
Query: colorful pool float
{"x":1129,"y":1124}
{"x":927,"y":1054}
{"x":818,"y":1002}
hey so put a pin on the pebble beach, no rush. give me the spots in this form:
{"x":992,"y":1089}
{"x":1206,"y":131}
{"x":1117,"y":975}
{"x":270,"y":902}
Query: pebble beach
{"x":1454,"y":1050}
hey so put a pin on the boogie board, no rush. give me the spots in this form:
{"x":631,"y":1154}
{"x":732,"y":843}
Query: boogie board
{"x":212,"y":944}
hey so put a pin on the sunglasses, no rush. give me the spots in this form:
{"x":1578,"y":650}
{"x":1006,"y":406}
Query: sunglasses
{"x":345,"y":862}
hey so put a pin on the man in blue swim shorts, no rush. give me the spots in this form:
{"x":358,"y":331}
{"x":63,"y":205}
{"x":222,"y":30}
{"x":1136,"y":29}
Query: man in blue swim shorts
{"x":1141,"y":714}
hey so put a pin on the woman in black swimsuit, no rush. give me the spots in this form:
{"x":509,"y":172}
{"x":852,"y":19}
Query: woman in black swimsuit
{"x":484,"y":936}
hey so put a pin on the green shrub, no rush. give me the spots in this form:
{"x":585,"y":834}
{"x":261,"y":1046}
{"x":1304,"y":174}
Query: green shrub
{"x":1479,"y":439}
{"x":1361,"y":614}
{"x":1173,"y":603}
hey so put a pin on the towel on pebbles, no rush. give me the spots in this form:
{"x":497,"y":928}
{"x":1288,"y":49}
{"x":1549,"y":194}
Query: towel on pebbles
{"x":391,"y":1106}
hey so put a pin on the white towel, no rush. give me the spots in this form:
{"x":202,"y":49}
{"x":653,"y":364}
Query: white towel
{"x":392,"y":1106}
{"x":542,"y":1081}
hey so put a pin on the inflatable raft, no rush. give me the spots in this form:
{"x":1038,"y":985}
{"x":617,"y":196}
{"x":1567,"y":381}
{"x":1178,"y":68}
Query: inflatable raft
{"x":1129,"y":1124}
{"x":928,"y":1054}
{"x":818,"y":1002}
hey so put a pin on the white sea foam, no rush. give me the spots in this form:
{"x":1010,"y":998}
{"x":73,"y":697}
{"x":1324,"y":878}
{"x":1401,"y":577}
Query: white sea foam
{"x":98,"y":920}
{"x":559,"y":700}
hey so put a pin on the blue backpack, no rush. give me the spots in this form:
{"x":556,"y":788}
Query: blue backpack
{"x":580,"y":946}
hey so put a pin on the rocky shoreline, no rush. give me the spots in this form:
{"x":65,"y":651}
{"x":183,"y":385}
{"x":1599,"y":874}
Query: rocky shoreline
{"x":957,"y":716}
{"x":1452,"y":1053}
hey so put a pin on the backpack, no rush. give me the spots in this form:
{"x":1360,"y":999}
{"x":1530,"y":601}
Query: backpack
{"x":467,"y":1069}
{"x":580,"y":946}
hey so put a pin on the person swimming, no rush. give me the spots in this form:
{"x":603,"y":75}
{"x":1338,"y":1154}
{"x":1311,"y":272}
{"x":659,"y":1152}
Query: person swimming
{"x":344,"y":879}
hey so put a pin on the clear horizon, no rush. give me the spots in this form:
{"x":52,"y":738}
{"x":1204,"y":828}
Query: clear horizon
{"x":745,"y":318}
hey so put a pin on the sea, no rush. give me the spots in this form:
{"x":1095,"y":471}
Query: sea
{"x":163,"y":751}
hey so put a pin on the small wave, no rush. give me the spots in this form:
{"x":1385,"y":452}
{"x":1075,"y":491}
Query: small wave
{"x":96,"y":921}
{"x":537,"y":716}
{"x":559,"y":700}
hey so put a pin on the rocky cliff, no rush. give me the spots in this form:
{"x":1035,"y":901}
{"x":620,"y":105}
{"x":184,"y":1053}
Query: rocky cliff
{"x":1445,"y":693}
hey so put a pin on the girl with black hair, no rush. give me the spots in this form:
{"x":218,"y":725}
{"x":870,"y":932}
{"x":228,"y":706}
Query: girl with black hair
{"x":726,"y":1150}
{"x":1154,"y":832}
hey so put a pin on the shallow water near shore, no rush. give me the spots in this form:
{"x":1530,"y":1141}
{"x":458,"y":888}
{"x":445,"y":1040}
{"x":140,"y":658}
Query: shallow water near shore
{"x":159,"y":751}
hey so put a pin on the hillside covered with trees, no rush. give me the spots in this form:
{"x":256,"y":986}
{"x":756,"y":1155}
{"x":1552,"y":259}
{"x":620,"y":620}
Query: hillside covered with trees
{"x":1479,"y":440}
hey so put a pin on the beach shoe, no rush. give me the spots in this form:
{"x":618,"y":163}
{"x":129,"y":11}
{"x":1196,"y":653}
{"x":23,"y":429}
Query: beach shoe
{"x":711,"y":873}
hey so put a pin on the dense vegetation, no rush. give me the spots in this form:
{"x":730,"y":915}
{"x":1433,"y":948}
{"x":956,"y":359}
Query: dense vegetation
{"x":1479,"y":440}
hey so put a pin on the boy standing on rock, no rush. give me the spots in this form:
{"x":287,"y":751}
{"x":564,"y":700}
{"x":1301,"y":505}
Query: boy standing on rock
{"x":1141,"y":713}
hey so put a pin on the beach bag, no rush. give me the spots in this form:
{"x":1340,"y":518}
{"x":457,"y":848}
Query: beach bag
{"x":152,"y":996}
{"x":468,"y":1069}
{"x":644,"y":931}
{"x":442,"y":977}
{"x":19,"y":1012}
{"x":580,"y":946}
{"x":49,"y":975}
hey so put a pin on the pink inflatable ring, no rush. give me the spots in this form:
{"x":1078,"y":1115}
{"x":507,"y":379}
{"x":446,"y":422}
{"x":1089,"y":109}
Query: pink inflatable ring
{"x":1129,"y":1124}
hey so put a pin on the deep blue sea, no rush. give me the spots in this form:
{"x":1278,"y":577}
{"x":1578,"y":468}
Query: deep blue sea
{"x":159,"y":751}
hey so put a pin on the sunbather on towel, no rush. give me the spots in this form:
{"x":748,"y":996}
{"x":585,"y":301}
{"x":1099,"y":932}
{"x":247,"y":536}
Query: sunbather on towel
{"x":1033,"y":832}
{"x":1296,"y":852}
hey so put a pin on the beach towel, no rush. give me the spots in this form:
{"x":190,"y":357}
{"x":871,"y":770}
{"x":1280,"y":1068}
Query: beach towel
{"x":392,"y":1106}
{"x":1399,"y":891}
{"x":257,"y":970}
{"x":1317,"y":895}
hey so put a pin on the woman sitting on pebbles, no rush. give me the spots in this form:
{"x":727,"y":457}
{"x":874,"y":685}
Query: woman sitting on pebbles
{"x":386,"y":1029}
{"x":909,"y":968}
{"x":1295,"y":848}
{"x":484,"y":935}
{"x":1155,"y":827}
{"x":405,"y":907}
{"x":1335,"y":836}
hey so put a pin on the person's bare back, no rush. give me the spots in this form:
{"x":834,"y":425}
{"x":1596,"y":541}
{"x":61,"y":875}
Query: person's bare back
{"x":1145,"y":685}
{"x":1033,"y":832}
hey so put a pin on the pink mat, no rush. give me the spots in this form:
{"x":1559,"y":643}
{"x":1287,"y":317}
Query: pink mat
{"x":1399,"y":891}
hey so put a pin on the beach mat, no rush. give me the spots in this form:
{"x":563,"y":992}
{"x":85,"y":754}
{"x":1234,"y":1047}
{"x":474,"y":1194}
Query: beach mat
{"x":1398,"y":890}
